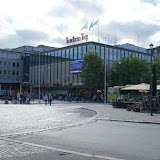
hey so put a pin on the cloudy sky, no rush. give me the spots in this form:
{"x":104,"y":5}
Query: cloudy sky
{"x":49,"y":22}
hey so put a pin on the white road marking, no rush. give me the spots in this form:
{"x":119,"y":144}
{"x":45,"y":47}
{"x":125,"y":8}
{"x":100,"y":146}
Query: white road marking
{"x":60,"y":150}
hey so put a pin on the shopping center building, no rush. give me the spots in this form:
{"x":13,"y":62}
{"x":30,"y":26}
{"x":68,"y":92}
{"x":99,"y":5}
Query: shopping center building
{"x":52,"y":67}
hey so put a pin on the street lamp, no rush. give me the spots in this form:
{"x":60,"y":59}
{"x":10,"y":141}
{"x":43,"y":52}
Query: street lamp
{"x":119,"y":80}
{"x":39,"y":78}
{"x":105,"y":72}
{"x":151,"y":85}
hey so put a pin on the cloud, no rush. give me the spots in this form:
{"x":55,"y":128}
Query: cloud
{"x":23,"y":37}
{"x":50,"y":22}
{"x":130,"y":30}
{"x":73,"y":8}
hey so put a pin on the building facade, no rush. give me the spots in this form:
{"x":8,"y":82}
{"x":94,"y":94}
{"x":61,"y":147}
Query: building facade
{"x":54,"y":68}
{"x":49,"y":67}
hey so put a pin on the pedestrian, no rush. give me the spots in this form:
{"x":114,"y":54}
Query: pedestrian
{"x":21,"y":98}
{"x":50,"y":98}
{"x":101,"y":97}
{"x":94,"y":97}
{"x":46,"y":98}
{"x":18,"y":97}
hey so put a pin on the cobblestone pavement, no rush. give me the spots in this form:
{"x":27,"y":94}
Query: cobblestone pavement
{"x":30,"y":118}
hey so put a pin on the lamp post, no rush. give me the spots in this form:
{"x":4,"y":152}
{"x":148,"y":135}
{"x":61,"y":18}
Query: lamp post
{"x":39,"y":79}
{"x":119,"y":80}
{"x":105,"y":73}
{"x":151,"y":85}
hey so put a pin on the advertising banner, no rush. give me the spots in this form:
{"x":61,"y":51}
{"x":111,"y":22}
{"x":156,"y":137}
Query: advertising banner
{"x":76,"y":65}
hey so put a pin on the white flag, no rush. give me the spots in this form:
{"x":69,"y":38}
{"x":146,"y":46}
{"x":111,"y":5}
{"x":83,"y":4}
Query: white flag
{"x":96,"y":22}
{"x":91,"y":25}
{"x":85,"y":26}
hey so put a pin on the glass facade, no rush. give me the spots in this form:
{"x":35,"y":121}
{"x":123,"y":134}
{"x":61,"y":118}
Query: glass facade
{"x":55,"y":65}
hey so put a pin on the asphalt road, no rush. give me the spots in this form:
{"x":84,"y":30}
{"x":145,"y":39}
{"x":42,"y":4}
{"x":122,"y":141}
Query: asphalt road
{"x":61,"y":132}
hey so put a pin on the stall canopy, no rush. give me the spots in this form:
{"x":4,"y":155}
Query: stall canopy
{"x":140,"y":87}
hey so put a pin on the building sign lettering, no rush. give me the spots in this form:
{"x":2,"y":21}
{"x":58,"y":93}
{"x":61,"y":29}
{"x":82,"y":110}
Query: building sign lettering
{"x":73,"y":39}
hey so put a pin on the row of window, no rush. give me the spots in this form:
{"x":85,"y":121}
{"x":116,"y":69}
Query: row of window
{"x":8,"y":55}
{"x":9,"y":72}
{"x":111,"y":54}
{"x":9,"y":64}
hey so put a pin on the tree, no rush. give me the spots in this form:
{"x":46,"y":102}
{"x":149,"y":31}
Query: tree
{"x":133,"y":70}
{"x":93,"y":70}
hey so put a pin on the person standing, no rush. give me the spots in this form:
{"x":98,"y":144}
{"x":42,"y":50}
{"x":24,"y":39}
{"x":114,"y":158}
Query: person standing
{"x":18,"y":97}
{"x":50,"y":98}
{"x":46,"y":98}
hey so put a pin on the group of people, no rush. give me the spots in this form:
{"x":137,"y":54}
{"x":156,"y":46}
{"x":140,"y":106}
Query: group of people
{"x":48,"y":98}
{"x":23,"y":97}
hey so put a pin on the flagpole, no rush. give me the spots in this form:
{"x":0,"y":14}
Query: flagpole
{"x":98,"y":29}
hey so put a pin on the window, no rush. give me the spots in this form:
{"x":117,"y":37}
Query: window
{"x":67,"y":53}
{"x":0,"y":72}
{"x":17,"y":64}
{"x":5,"y":72}
{"x":71,"y":53}
{"x":17,"y":73}
{"x":102,"y":52}
{"x":13,"y":72}
{"x":5,"y":63}
{"x":75,"y":53}
{"x":8,"y":72}
{"x":13,"y":64}
{"x":98,"y":50}
{"x":119,"y":55}
{"x":9,"y":64}
{"x":80,"y":53}
{"x":0,"y":63}
{"x":115,"y":55}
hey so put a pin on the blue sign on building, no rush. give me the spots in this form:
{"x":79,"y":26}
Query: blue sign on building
{"x":76,"y":65}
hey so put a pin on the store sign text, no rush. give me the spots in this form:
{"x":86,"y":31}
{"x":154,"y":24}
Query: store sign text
{"x":83,"y":37}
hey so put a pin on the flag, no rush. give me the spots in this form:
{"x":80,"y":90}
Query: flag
{"x":91,"y":25}
{"x":96,"y":22}
{"x":85,"y":26}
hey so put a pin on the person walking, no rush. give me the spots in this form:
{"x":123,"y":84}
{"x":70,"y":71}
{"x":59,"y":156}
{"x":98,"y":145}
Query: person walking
{"x":46,"y":98}
{"x":50,"y":98}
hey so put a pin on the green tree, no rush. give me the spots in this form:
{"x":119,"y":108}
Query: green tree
{"x":93,"y":70}
{"x":133,"y":70}
{"x":156,"y":62}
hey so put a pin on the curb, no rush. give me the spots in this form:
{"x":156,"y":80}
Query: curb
{"x":132,"y":121}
